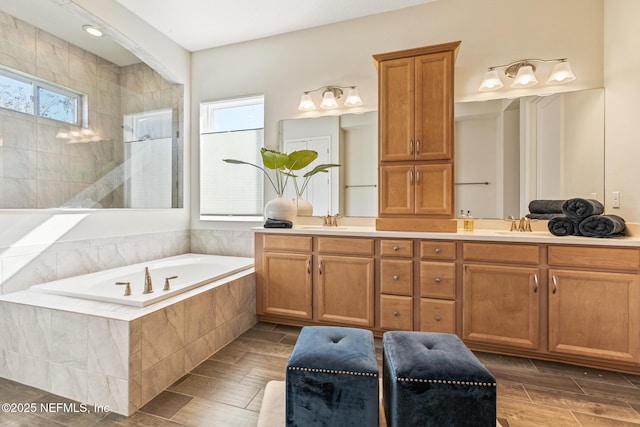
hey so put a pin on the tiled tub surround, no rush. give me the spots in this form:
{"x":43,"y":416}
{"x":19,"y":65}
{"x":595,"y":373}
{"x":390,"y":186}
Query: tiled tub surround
{"x":121,"y":356}
{"x":24,"y":264}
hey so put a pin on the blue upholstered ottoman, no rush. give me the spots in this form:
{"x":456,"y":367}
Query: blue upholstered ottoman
{"x":332,"y":378}
{"x":433,"y":379}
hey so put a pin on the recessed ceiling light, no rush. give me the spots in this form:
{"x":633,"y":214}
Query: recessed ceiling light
{"x":92,"y":30}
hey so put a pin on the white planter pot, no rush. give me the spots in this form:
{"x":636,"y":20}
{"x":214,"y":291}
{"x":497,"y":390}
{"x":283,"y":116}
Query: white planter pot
{"x":304,"y":207}
{"x":280,"y":208}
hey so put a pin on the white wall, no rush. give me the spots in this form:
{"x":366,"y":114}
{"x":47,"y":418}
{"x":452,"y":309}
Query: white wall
{"x":622,"y":92}
{"x":492,"y":32}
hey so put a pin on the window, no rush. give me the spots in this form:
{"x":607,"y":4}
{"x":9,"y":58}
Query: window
{"x":231,"y":129}
{"x":25,"y":94}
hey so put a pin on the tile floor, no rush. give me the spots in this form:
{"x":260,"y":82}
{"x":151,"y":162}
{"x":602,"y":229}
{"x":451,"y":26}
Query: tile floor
{"x":226,"y":390}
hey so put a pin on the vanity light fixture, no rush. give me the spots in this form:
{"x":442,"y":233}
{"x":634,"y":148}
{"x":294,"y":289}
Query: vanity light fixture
{"x":330,"y":96}
{"x":523,"y":73}
{"x":91,"y":30}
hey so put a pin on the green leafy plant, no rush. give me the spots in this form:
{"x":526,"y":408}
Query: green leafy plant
{"x":282,"y":164}
{"x":323,"y":168}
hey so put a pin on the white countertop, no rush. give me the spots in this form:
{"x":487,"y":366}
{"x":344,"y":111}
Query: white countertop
{"x":478,"y":234}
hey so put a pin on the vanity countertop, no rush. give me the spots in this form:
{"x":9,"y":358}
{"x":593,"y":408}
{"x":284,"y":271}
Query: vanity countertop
{"x":492,"y":235}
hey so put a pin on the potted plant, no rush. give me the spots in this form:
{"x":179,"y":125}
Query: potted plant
{"x":283,"y":166}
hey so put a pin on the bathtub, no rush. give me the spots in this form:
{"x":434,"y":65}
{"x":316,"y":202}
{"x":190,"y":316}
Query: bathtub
{"x":192,"y":271}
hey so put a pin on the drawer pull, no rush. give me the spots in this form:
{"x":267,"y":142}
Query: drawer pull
{"x":396,"y":277}
{"x":395,"y":248}
{"x":535,"y":280}
{"x":437,"y":280}
{"x":438,"y":318}
{"x":396,"y":314}
{"x":437,"y":250}
{"x":555,"y":284}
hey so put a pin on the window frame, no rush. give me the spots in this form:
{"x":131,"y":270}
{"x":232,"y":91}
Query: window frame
{"x":36,"y":85}
{"x":206,"y":128}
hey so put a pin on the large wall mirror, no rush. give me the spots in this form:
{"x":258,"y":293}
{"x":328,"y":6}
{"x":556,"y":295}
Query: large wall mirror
{"x":508,"y":152}
{"x":82,"y":125}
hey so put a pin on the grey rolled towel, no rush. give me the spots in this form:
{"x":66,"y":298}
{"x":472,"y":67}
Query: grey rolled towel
{"x":546,"y":206}
{"x":562,"y":226}
{"x":602,"y":226}
{"x":579,"y":209}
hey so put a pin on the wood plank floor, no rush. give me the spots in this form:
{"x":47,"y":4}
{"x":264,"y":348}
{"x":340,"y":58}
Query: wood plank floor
{"x":226,"y":390}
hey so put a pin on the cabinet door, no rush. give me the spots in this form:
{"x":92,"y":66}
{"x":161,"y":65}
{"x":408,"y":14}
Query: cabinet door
{"x":396,"y":109}
{"x":345,"y":290}
{"x":287,"y":285}
{"x":501,"y":305}
{"x":397,"y":192}
{"x":594,"y":314}
{"x":434,"y":189}
{"x":434,"y":106}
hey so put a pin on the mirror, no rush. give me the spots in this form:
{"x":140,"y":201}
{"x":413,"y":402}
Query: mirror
{"x":508,"y":152}
{"x":350,"y":140}
{"x":512,"y":151}
{"x":81,"y":131}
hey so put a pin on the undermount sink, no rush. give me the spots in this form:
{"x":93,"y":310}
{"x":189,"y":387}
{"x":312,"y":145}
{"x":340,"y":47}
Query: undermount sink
{"x":523,"y":233}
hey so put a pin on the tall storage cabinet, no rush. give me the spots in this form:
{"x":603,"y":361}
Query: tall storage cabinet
{"x":415,"y":89}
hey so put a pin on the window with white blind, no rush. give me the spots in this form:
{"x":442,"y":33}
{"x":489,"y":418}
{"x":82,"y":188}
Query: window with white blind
{"x":231,"y":129}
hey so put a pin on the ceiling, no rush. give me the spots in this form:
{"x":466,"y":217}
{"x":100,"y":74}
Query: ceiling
{"x":198,"y":24}
{"x":202,"y":24}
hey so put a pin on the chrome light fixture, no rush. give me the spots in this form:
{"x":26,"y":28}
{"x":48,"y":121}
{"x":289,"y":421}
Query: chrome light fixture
{"x":330,"y":96}
{"x":523,"y":73}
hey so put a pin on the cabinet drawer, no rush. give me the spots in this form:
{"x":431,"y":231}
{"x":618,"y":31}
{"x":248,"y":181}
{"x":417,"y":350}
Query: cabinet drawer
{"x":396,"y":276}
{"x":437,"y":250}
{"x":396,"y":248}
{"x":437,"y":316}
{"x":396,"y":312}
{"x":438,"y":279}
{"x":278,"y":242}
{"x":345,"y":245}
{"x":502,"y":253}
{"x":604,"y":258}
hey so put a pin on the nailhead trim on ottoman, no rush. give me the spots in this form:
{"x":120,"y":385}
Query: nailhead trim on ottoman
{"x":433,"y":379}
{"x":332,"y":379}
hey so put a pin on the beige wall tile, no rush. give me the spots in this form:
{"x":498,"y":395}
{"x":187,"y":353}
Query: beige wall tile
{"x":162,"y":334}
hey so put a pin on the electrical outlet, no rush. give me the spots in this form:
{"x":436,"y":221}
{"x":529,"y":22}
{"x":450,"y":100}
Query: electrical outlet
{"x":615,"y":200}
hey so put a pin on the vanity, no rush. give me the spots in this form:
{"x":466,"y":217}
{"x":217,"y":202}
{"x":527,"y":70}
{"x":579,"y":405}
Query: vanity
{"x":567,"y":299}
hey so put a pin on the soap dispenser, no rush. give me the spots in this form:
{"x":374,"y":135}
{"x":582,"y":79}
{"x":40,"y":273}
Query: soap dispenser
{"x":468,"y":222}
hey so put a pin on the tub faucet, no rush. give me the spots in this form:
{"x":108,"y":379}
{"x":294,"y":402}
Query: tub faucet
{"x":148,"y":286}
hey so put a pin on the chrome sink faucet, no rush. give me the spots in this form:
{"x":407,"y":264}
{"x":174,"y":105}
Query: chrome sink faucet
{"x":148,"y":286}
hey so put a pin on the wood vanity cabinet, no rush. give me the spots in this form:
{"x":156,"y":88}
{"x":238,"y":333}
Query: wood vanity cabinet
{"x":437,"y":286}
{"x":501,"y":294}
{"x":284,"y":285}
{"x":396,"y":284}
{"x":594,"y":302}
{"x":345,"y":281}
{"x":415,"y":116}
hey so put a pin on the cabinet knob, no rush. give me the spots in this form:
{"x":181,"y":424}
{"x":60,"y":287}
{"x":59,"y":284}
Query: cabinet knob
{"x":396,"y":314}
{"x":437,"y":280}
{"x":438,"y":250}
{"x":438,"y":318}
{"x":396,"y":277}
{"x":395,"y":248}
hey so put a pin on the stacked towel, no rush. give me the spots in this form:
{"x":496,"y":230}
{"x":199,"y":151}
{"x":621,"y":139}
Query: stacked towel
{"x":562,"y":226}
{"x":584,"y":217}
{"x":602,"y":226}
{"x":546,"y":206}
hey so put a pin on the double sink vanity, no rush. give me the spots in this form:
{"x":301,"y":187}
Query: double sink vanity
{"x":570,"y":299}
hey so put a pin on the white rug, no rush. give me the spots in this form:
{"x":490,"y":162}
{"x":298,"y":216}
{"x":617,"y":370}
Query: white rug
{"x":272,"y":411}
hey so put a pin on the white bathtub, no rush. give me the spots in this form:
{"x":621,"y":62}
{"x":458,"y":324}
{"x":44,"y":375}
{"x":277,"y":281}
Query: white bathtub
{"x":193,"y":270}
